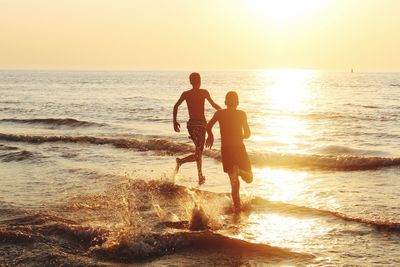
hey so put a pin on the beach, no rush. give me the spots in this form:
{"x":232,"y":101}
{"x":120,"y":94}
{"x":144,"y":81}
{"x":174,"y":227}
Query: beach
{"x":87,"y":163}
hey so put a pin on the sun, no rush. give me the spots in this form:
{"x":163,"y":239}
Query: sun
{"x":284,"y":12}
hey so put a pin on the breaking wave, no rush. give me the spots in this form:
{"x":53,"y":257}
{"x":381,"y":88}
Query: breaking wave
{"x":126,"y":225}
{"x":324,"y":162}
{"x":175,"y":197}
{"x":167,"y":146}
{"x":156,"y":245}
{"x":273,"y":159}
{"x":55,"y":122}
{"x":343,"y":150}
{"x":279,"y":207}
{"x":51,"y":234}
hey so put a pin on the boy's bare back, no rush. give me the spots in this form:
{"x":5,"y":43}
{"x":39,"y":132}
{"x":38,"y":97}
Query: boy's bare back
{"x":195,"y":102}
{"x":233,"y":126}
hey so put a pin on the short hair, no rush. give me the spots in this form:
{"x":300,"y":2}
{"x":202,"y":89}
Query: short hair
{"x":232,"y":99}
{"x":194,"y":78}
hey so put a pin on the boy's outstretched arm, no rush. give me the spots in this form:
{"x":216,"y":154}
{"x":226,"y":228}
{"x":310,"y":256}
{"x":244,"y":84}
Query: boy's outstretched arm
{"x":177,"y":126}
{"x":210,"y":136}
{"x":213,"y":104}
{"x":246,"y":128}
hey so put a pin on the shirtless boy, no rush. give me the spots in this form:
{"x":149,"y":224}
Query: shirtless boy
{"x":196,"y":125}
{"x":233,"y":128}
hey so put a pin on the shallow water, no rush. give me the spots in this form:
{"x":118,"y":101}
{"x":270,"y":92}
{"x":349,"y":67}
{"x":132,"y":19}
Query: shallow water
{"x":87,"y":162}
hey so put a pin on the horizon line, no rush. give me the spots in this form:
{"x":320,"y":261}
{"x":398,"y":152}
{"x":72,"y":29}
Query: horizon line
{"x":199,"y":70}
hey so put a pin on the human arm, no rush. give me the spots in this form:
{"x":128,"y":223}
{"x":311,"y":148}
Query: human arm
{"x":246,"y":128}
{"x":211,"y":101}
{"x":177,"y":126}
{"x":210,"y":136}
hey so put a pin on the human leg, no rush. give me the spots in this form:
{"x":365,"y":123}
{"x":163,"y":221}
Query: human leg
{"x":235,"y":185}
{"x":243,"y":165}
{"x":199,"y":160}
{"x":232,"y":171}
{"x":179,"y":162}
{"x":197,"y":134}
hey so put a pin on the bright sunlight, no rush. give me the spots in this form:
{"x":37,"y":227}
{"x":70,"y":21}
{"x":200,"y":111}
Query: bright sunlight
{"x":283,"y":12}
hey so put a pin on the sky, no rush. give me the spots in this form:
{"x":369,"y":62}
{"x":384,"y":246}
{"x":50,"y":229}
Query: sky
{"x":201,"y":35}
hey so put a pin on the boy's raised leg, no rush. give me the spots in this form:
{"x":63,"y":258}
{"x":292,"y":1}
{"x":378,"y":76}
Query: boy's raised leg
{"x":247,"y":176}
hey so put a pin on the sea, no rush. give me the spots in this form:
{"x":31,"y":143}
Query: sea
{"x":87,"y":178}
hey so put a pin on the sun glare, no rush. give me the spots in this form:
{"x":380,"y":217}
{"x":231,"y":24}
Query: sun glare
{"x":288,"y":95}
{"x":290,"y":90}
{"x":282,"y":12}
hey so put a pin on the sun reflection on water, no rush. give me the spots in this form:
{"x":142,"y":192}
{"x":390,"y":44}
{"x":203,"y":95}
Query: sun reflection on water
{"x":288,"y":95}
{"x":283,"y":231}
{"x":286,"y":98}
{"x":289,"y":90}
{"x":283,"y":185}
{"x":289,"y":131}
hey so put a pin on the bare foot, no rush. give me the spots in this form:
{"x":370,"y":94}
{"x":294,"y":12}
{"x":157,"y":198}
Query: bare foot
{"x":178,"y":164}
{"x":202,"y":179}
{"x":247,"y":178}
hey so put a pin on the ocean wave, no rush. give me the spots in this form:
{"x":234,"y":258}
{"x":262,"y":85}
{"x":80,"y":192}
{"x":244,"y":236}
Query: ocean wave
{"x":170,"y":147}
{"x":285,"y":208}
{"x":342,"y":150}
{"x":102,"y":243}
{"x":273,"y":159}
{"x":172,"y":196}
{"x":16,"y":156}
{"x":55,"y":122}
{"x":100,"y":237}
{"x":156,"y":245}
{"x":4,"y":147}
{"x":39,"y":227}
{"x":323,"y":162}
{"x":12,"y":153}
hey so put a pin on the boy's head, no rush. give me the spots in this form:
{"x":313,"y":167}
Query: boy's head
{"x":232,"y":99}
{"x":195,"y":79}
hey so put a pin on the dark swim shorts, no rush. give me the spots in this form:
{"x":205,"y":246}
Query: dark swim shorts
{"x":197,"y":132}
{"x":235,"y":155}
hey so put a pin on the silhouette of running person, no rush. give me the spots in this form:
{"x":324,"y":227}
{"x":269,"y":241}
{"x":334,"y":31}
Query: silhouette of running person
{"x":196,"y":125}
{"x":233,"y":128}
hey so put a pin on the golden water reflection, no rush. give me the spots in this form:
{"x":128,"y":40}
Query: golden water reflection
{"x":288,"y":96}
{"x":289,"y":90}
{"x":284,"y":231}
{"x":289,"y":131}
{"x":299,"y":187}
{"x":282,"y":185}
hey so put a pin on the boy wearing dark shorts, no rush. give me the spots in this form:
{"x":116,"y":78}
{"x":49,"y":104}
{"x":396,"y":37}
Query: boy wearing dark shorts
{"x":196,"y":125}
{"x":233,"y":128}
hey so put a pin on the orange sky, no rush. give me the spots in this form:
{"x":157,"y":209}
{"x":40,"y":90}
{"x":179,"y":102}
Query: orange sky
{"x":206,"y":34}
